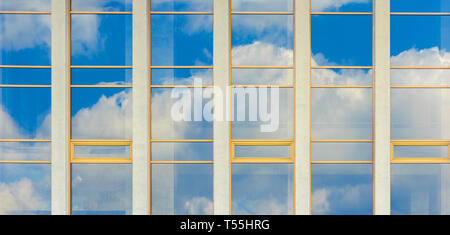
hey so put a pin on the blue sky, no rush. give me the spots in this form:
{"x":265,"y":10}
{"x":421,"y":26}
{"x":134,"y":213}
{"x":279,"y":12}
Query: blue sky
{"x":105,"y":113}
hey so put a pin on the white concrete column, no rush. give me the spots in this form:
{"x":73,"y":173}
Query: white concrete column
{"x":60,"y":107}
{"x":382,"y":108}
{"x":302,"y":108}
{"x":221,"y":128}
{"x":141,"y":113}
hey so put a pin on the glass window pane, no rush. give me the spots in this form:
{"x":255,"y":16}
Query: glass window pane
{"x":101,"y":5}
{"x":341,"y":151}
{"x":25,"y":151}
{"x":262,"y":189}
{"x":421,"y":151}
{"x":262,"y":40}
{"x":263,"y":6}
{"x":351,"y":44}
{"x":418,"y":77}
{"x":25,"y":5}
{"x":341,"y":113}
{"x":101,"y":113}
{"x":91,"y":151}
{"x":182,"y":5}
{"x":181,"y":113}
{"x":420,"y":6}
{"x":341,"y":6}
{"x":420,"y":189}
{"x":25,"y":189}
{"x":420,"y":113}
{"x":182,"y":151}
{"x":25,"y":76}
{"x":262,"y":113}
{"x":410,"y":46}
{"x":341,"y":189}
{"x":25,"y":39}
{"x":341,"y":77}
{"x":101,"y":76}
{"x":182,"y":76}
{"x":25,"y":113}
{"x":262,"y":77}
{"x":272,"y":151}
{"x":101,"y":189}
{"x":101,"y":40}
{"x":182,"y":189}
{"x":182,"y":40}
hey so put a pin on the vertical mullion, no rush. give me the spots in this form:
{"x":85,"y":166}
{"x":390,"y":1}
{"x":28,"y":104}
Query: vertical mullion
{"x":302,"y":107}
{"x":60,"y":107}
{"x":382,"y":108}
{"x":221,"y":129}
{"x":141,"y":110}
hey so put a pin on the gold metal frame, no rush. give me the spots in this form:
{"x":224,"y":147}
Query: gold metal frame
{"x":172,"y":86}
{"x":344,"y":86}
{"x":25,"y":86}
{"x":74,"y":159}
{"x":264,"y":142}
{"x":419,"y":143}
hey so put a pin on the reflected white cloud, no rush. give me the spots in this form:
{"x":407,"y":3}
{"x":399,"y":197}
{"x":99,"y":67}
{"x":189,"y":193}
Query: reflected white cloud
{"x":260,"y":53}
{"x":20,"y":197}
{"x":198,"y":206}
{"x":423,"y":57}
{"x":18,"y":31}
{"x":25,"y":5}
{"x":323,"y":5}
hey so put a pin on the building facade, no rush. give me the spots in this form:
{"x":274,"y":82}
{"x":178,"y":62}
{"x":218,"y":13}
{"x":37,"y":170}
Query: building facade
{"x":224,"y":107}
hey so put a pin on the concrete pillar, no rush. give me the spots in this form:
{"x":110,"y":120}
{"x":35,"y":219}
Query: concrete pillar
{"x":60,"y":107}
{"x":302,"y":107}
{"x":382,"y":181}
{"x":221,"y":128}
{"x":141,"y":113}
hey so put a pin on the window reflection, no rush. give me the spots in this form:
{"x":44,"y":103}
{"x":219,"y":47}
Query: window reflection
{"x":182,"y":189}
{"x":25,"y":5}
{"x":341,"y":6}
{"x":341,"y":151}
{"x":101,"y":5}
{"x":420,"y":6}
{"x":101,"y":189}
{"x":262,"y":189}
{"x":182,"y":152}
{"x":182,"y":5}
{"x":262,"y":5}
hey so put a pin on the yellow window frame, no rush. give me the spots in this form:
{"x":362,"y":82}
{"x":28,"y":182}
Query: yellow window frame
{"x":419,"y":143}
{"x":74,"y":159}
{"x":235,"y":159}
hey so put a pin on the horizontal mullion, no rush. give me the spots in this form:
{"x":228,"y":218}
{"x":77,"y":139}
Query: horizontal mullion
{"x":420,"y":67}
{"x":101,"y":12}
{"x":421,"y":86}
{"x":420,"y":160}
{"x":23,"y":140}
{"x":261,"y":67}
{"x":341,"y":13}
{"x":262,"y":160}
{"x":270,"y":86}
{"x":181,"y":67}
{"x":27,"y":86}
{"x":341,"y":162}
{"x":261,"y":140}
{"x":181,"y":141}
{"x":101,"y":86}
{"x":181,"y":86}
{"x":105,"y":141}
{"x":342,"y":67}
{"x":101,"y":160}
{"x":27,"y":12}
{"x":26,"y":66}
{"x":181,"y":162}
{"x":181,"y":13}
{"x":101,"y":67}
{"x":26,"y":162}
{"x":419,"y":141}
{"x":340,"y":86}
{"x":341,"y":141}
{"x":262,"y":13}
{"x":421,"y":13}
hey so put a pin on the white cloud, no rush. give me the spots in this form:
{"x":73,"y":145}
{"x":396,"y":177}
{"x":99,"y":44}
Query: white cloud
{"x":260,"y":53}
{"x":424,"y":57}
{"x":320,"y":204}
{"x":323,"y":5}
{"x":18,"y":32}
{"x":109,"y":118}
{"x":85,"y":34}
{"x":20,"y":198}
{"x":262,"y":5}
{"x":332,"y":199}
{"x":25,"y":5}
{"x":198,"y":206}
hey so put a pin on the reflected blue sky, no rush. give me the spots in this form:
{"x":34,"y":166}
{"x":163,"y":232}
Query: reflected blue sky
{"x":101,"y":5}
{"x":182,"y":5}
{"x":262,"y":5}
{"x":341,"y":5}
{"x":25,"y":76}
{"x":182,"y":189}
{"x":419,"y":6}
{"x":262,"y":189}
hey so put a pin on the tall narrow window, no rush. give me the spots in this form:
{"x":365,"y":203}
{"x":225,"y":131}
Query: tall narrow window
{"x":25,"y":112}
{"x":181,"y":84}
{"x":341,"y":107}
{"x":262,"y":107}
{"x":100,"y":104}
{"x":420,"y":107}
